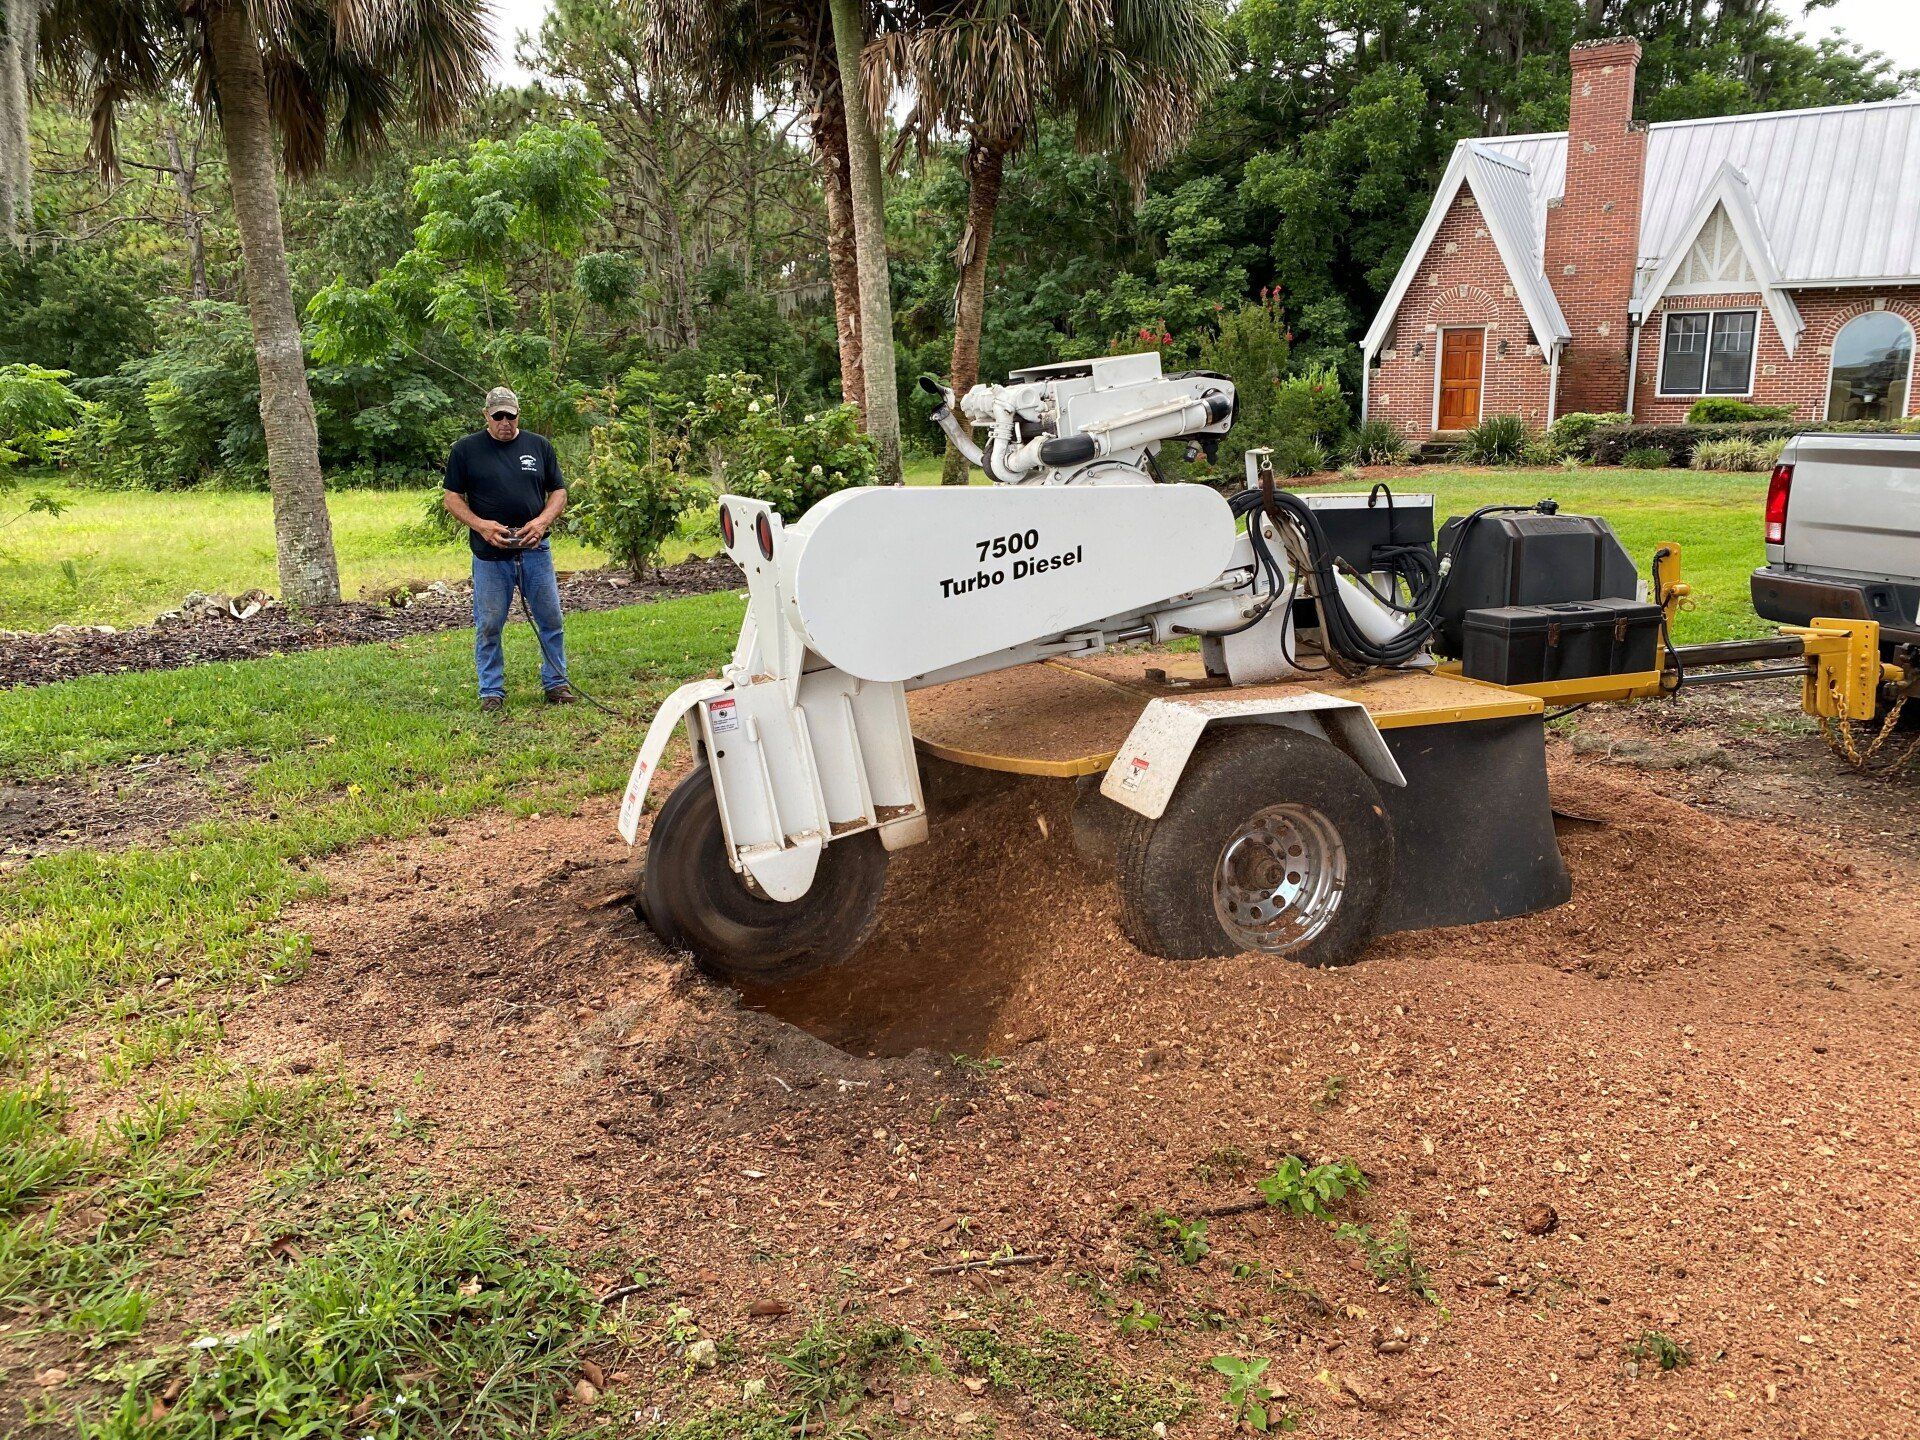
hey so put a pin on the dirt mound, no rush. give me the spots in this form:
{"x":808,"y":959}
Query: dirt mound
{"x":205,"y":632}
{"x":1703,"y":1065}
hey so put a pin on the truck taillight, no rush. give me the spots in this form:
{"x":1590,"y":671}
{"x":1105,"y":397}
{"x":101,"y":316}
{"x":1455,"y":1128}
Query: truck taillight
{"x":1778,"y":489}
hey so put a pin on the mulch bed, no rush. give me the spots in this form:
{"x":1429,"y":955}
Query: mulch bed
{"x":208,"y":632}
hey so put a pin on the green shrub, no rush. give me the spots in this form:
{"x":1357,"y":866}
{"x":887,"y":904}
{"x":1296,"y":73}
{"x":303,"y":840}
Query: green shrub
{"x":1733,"y":453}
{"x":1496,"y":440}
{"x":1769,"y":451}
{"x":1719,"y":410}
{"x":1251,"y":349}
{"x":1573,"y":434}
{"x":1299,"y":455}
{"x":37,"y":414}
{"x":1310,"y":404}
{"x":1611,"y":442}
{"x":1647,"y":457}
{"x":1378,"y":442}
{"x":792,"y":465}
{"x":634,"y":497}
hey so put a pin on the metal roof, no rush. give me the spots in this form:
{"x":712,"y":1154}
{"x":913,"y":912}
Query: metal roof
{"x":1501,"y":187}
{"x":1837,"y":190}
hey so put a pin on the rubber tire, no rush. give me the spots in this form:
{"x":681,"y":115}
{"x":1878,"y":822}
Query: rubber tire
{"x":1166,"y":866}
{"x":694,"y":901}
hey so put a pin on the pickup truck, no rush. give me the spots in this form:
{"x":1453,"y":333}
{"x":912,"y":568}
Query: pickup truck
{"x":1843,"y":536}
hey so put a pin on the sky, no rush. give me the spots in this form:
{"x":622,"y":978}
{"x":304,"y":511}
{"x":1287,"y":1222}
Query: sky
{"x":1889,"y":25}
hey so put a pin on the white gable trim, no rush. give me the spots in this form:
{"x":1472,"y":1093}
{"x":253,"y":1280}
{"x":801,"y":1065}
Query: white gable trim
{"x":1730,"y":191}
{"x":1471,"y":167}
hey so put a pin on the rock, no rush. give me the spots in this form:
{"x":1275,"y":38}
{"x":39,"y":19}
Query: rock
{"x":703,"y":1355}
{"x":768,"y":1308}
{"x":585,"y":1393}
{"x":47,"y":1379}
{"x":1540,"y":1219}
{"x":1586,"y":1348}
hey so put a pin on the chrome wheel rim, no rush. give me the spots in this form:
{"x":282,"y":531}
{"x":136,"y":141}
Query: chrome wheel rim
{"x":1280,"y":878}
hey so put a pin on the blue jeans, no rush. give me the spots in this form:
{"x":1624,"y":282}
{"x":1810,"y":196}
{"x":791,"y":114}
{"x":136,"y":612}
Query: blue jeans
{"x":494,"y":582}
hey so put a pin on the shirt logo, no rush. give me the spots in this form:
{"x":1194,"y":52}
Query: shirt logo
{"x":529,"y":463}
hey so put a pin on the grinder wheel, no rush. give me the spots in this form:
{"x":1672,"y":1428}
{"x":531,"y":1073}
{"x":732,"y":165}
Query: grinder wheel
{"x":695,"y":901}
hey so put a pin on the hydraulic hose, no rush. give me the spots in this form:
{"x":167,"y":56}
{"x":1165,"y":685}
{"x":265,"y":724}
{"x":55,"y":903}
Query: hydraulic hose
{"x":1425,"y":577}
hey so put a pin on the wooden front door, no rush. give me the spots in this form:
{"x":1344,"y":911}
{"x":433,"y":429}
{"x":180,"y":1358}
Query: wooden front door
{"x":1461,"y":355}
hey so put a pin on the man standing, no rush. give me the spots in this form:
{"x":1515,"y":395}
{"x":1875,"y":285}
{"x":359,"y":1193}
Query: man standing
{"x":503,"y":483}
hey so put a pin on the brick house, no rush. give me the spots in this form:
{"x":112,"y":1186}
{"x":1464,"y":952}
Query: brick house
{"x":1622,"y":266}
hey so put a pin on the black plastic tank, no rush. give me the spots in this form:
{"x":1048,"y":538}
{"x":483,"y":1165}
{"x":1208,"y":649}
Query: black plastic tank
{"x":1526,"y":558}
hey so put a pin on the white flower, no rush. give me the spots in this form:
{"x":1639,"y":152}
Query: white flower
{"x":753,"y":407}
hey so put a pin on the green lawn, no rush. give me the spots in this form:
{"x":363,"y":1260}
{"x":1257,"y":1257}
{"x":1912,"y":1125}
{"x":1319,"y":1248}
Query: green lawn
{"x":122,"y":557}
{"x":118,"y":558}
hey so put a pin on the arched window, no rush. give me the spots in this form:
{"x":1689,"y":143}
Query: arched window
{"x":1872,"y":367}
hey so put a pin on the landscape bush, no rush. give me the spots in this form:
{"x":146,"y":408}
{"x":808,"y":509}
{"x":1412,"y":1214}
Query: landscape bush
{"x":1311,"y":405}
{"x":791,"y":464}
{"x":1719,"y":409}
{"x":633,"y":498}
{"x":1378,"y":442}
{"x":1496,"y":440}
{"x":1646,"y":457}
{"x":1572,"y":434}
{"x":1298,"y":456}
{"x":1736,"y":452}
{"x":1611,"y":442}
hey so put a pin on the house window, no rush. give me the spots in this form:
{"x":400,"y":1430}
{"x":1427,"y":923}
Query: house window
{"x":1708,"y":352}
{"x":1872,"y":368}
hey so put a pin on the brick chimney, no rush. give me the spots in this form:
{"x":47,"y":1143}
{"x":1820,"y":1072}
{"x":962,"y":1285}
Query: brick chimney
{"x":1593,"y":233}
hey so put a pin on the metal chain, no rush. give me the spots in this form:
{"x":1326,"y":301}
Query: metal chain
{"x":1840,"y":738}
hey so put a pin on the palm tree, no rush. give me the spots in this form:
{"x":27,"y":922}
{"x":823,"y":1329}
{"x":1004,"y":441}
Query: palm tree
{"x":734,"y":50}
{"x":869,"y":238}
{"x":1129,"y":74}
{"x":19,"y":22}
{"x":788,"y":49}
{"x":267,"y":68}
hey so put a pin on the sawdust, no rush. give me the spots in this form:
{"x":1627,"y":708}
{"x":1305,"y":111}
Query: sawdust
{"x":1705,"y":1065}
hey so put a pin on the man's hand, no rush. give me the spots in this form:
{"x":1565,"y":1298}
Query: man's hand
{"x":534,"y":531}
{"x":493,"y":532}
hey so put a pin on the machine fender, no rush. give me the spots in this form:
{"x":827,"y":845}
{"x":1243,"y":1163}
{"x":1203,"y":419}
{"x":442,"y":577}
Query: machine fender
{"x":633,"y":803}
{"x":1150,"y":761}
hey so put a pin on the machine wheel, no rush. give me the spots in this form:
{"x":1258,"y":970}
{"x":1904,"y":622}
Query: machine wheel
{"x":696,"y":902}
{"x":1274,"y":841}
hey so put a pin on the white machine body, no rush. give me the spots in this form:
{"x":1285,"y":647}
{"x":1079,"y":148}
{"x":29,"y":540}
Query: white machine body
{"x":879,"y":590}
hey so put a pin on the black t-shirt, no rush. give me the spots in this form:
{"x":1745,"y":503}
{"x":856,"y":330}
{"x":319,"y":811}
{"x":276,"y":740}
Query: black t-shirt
{"x":506,"y":482}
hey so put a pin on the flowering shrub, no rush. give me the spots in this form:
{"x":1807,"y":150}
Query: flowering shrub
{"x":791,"y":464}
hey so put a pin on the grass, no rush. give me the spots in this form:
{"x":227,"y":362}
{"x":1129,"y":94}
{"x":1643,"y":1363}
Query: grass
{"x":344,"y":746}
{"x":419,"y":1319}
{"x":122,"y":557}
{"x":119,"y":558}
{"x":1715,"y":518}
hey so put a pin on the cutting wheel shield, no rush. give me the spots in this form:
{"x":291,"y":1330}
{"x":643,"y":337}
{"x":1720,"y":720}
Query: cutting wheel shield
{"x":696,"y":902}
{"x":1274,"y":841}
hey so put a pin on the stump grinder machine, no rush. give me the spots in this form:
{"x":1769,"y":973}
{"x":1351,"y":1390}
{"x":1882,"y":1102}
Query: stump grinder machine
{"x":1296,"y":721}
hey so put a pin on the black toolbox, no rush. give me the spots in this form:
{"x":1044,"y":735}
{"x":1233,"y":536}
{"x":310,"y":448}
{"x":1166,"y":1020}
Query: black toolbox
{"x":1574,"y":640}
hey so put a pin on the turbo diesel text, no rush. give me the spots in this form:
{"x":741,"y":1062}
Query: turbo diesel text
{"x":1020,"y":543}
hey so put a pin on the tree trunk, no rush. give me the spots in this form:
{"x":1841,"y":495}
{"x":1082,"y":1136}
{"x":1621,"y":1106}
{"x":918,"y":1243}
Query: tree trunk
{"x":870,"y":243}
{"x":19,"y":27}
{"x":302,"y":532}
{"x":843,"y":266}
{"x":986,"y":164}
{"x":186,"y":181}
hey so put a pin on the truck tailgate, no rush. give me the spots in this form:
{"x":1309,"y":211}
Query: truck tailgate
{"x":1855,"y":508}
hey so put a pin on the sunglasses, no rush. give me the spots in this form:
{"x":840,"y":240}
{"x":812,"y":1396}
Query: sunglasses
{"x":503,"y":415}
